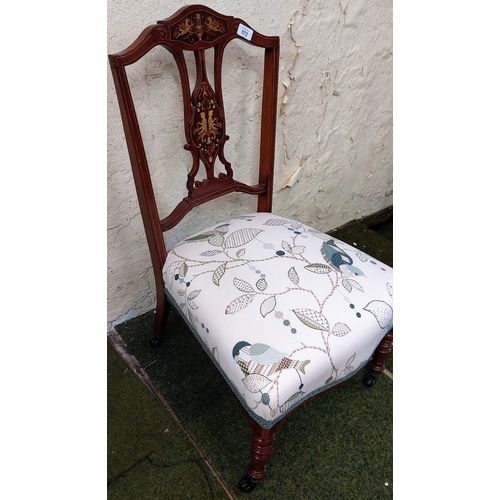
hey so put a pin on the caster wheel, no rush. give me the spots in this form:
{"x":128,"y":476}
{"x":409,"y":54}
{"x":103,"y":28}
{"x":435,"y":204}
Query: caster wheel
{"x":155,"y":341}
{"x":246,"y":484}
{"x":370,"y":380}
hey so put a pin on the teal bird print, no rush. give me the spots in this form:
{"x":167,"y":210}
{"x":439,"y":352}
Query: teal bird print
{"x":339,"y":259}
{"x":259,"y":362}
{"x":264,"y":360}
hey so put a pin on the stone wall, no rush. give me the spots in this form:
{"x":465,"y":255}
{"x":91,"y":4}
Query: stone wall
{"x":334,"y":134}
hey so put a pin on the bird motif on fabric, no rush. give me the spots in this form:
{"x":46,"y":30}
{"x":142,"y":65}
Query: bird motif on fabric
{"x":264,"y":360}
{"x":339,"y":259}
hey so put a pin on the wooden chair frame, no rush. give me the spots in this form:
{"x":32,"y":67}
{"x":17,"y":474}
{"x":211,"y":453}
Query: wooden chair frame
{"x":197,"y":28}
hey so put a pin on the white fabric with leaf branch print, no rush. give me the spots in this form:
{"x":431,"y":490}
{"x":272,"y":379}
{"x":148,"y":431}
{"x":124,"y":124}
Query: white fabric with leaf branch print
{"x":283,"y":310}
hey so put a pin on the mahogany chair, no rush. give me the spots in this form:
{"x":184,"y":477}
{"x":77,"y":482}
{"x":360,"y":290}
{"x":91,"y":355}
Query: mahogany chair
{"x":284,"y":311}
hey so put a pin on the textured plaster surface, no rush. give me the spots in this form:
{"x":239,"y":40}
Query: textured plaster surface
{"x":334,"y":132}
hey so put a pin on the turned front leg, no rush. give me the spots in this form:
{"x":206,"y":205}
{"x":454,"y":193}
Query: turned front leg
{"x":261,"y":448}
{"x":377,"y":364}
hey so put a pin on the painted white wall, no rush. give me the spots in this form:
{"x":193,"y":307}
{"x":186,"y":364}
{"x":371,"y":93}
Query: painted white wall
{"x":334,"y":136}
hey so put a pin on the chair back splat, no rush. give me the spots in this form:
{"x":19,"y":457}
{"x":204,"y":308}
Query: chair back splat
{"x":284,"y":311}
{"x":197,"y":28}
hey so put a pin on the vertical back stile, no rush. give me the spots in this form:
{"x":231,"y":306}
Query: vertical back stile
{"x":138,"y":160}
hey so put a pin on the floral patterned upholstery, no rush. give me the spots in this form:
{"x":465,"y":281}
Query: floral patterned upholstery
{"x":283,"y":310}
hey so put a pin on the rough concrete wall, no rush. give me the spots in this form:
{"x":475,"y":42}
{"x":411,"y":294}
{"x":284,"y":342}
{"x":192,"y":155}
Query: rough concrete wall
{"x":334,"y":137}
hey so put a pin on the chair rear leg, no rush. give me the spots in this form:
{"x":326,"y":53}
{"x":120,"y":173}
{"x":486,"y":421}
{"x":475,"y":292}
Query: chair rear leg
{"x":377,"y":363}
{"x":162,"y":311}
{"x":261,"y":448}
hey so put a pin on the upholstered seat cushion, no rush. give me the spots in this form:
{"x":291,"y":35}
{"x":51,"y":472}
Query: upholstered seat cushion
{"x":283,"y":310}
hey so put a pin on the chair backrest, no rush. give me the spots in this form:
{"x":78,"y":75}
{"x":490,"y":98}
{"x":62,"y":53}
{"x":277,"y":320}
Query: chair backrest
{"x":197,"y":28}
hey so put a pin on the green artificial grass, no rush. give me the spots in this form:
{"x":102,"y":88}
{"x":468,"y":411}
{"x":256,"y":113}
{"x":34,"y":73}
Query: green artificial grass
{"x":149,"y":454}
{"x":337,"y":446}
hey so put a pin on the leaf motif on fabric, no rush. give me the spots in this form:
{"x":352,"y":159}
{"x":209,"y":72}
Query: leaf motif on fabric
{"x":218,"y":273}
{"x":312,"y":319}
{"x":286,"y":247}
{"x":350,"y":361}
{"x":200,"y":237}
{"x":183,"y":269}
{"x":181,"y":292}
{"x":382,"y":312}
{"x":240,"y":252}
{"x":294,"y":277}
{"x":239,"y":303}
{"x":191,"y":317}
{"x":298,"y":249}
{"x":274,"y":222}
{"x":216,"y":240}
{"x":261,"y":284}
{"x":290,"y":401}
{"x":223,"y":229}
{"x":191,"y":297}
{"x":340,"y":329}
{"x":210,"y":253}
{"x":268,"y":306}
{"x":243,"y":286}
{"x":350,"y":284}
{"x":255,"y":382}
{"x":362,"y":256}
{"x":194,"y":294}
{"x":241,"y":237}
{"x":321,"y":236}
{"x":348,"y":366}
{"x":192,"y":305}
{"x":389,"y":289}
{"x":319,"y":268}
